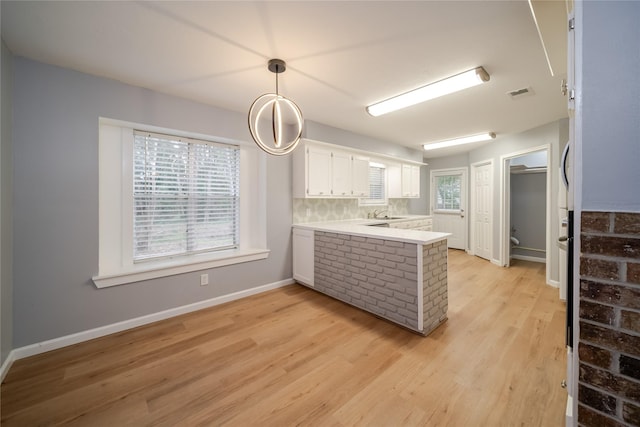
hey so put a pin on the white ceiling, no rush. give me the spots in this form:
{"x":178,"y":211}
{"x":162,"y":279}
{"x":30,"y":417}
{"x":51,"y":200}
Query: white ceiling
{"x":341,"y":56}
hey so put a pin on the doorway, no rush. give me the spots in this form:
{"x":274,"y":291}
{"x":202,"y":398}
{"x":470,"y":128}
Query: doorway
{"x":506,"y":235}
{"x":448,"y":204}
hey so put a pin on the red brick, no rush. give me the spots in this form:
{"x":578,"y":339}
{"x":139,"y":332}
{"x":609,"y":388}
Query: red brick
{"x":610,"y":338}
{"x":631,"y":413}
{"x":630,"y":366}
{"x":597,"y":222}
{"x":627,"y":247}
{"x":633,"y":272}
{"x":590,"y":418}
{"x":597,"y":400}
{"x":610,"y":383}
{"x":626,"y":223}
{"x":630,"y":320}
{"x":597,"y":312}
{"x":618,"y":295}
{"x":595,"y":355}
{"x":599,"y":269}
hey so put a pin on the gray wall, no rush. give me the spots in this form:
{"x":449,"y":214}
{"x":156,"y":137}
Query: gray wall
{"x":6,"y":232}
{"x":528,"y":212}
{"x":610,"y":96}
{"x":55,"y":131}
{"x":555,"y":134}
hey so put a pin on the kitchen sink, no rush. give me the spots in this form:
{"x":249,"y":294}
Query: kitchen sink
{"x":392,"y":217}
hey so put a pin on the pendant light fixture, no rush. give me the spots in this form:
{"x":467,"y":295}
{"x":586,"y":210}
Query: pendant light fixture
{"x":275,"y":122}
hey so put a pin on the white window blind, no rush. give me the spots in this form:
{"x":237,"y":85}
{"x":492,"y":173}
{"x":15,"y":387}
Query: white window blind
{"x":376,"y":182}
{"x":377,"y":186}
{"x":185,"y":196}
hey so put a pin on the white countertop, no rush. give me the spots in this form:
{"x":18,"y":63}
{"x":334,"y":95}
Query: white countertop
{"x":363,"y":228}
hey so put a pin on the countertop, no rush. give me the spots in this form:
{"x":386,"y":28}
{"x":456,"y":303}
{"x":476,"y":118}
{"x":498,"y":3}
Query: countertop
{"x":363,"y":228}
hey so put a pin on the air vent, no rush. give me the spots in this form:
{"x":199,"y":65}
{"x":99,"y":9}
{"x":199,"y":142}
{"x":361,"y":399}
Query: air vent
{"x":520,"y":93}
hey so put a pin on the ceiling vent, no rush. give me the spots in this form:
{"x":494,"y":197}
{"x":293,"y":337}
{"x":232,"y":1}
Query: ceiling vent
{"x":520,"y":93}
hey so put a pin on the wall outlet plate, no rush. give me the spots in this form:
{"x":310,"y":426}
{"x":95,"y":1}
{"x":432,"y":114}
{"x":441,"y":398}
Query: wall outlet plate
{"x":204,"y":279}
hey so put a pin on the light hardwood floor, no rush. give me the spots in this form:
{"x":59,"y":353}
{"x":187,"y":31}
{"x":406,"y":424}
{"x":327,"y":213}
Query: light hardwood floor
{"x":295,"y":357}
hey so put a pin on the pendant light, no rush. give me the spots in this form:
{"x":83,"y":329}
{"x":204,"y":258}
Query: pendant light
{"x":282,"y":114}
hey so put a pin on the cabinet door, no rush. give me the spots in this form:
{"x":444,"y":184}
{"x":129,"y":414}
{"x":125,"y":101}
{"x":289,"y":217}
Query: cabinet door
{"x":318,"y":172}
{"x":415,"y":181}
{"x":340,"y":174}
{"x":360,"y":176}
{"x":303,"y":263}
{"x":406,"y":180}
{"x":410,"y":181}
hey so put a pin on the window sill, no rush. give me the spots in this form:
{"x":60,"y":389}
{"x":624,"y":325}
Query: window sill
{"x":153,"y":270}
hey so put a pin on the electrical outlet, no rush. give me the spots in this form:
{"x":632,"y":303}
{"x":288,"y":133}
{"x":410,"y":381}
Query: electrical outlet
{"x":204,"y":279}
{"x":308,"y":211}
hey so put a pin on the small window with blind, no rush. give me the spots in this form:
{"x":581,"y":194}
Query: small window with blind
{"x":377,"y":186}
{"x":185,"y":196}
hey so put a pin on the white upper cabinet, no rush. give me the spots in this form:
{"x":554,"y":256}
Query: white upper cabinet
{"x":360,"y":176}
{"x":318,"y":176}
{"x":323,"y":170}
{"x":341,"y":174}
{"x":410,"y":181}
{"x":404,"y":181}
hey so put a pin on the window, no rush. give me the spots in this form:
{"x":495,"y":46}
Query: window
{"x":448,"y":192}
{"x":377,"y":186}
{"x":185,"y":196}
{"x":172,"y":202}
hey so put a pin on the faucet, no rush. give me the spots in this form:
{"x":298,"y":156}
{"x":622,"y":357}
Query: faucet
{"x":376,"y":213}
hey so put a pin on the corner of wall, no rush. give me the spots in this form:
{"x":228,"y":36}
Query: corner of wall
{"x":6,"y":208}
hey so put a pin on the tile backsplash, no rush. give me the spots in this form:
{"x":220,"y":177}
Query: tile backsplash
{"x":314,"y":210}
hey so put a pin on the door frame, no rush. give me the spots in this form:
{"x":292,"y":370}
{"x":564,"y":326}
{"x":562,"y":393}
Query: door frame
{"x":505,"y":206}
{"x":463,"y":200}
{"x":472,"y":212}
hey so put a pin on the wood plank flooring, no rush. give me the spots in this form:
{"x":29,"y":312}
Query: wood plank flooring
{"x":296,"y":357}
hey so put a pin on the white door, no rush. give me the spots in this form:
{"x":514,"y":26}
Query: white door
{"x":481,"y":209}
{"x":448,"y":205}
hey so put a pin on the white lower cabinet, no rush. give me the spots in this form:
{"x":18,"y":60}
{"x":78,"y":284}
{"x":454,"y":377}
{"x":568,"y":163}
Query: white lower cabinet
{"x":303,"y":252}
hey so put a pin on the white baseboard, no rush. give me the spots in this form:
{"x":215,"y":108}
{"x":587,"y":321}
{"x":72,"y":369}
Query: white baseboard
{"x":553,"y":283}
{"x":496,"y":262}
{"x":56,"y":343}
{"x":7,"y":364}
{"x":529,"y":258}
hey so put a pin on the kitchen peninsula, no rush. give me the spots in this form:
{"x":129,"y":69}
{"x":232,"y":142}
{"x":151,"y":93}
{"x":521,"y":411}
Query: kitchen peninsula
{"x":395,"y":273}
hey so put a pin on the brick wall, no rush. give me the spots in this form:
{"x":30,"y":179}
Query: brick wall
{"x":381,"y":276}
{"x":435,"y":295}
{"x":609,"y":311}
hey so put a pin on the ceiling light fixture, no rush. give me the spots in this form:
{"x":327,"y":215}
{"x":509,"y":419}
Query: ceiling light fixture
{"x":459,"y":141}
{"x":434,"y":90}
{"x":286,"y":118}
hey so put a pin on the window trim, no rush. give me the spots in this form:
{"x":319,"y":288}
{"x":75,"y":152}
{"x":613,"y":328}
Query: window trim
{"x":116,"y":266}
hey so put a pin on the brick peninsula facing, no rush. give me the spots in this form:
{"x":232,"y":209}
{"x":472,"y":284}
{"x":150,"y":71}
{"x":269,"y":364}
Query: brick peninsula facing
{"x":396,"y":274}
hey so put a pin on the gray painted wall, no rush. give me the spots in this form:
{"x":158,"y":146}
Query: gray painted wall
{"x":528,"y":212}
{"x":6,"y":232}
{"x":55,"y":133}
{"x":610,"y":96}
{"x":556,"y":134}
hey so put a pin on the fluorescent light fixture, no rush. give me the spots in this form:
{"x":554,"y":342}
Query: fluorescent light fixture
{"x":434,"y":90}
{"x":459,"y":141}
